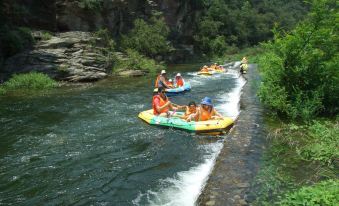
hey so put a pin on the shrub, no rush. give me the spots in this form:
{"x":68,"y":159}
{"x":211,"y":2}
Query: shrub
{"x":137,"y":61}
{"x":94,"y":5}
{"x":15,"y":40}
{"x":300,"y":74}
{"x":323,"y":193}
{"x":32,"y":80}
{"x":149,"y":39}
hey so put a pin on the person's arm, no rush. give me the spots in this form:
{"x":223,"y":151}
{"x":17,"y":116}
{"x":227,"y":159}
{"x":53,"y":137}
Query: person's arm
{"x":159,"y":108}
{"x":216,"y":114}
{"x":163,"y":81}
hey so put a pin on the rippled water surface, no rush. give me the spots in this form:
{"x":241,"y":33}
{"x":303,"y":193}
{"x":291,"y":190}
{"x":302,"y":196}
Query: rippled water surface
{"x":87,"y":146}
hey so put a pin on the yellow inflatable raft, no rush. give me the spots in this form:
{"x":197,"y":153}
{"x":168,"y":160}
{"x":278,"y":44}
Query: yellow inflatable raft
{"x":210,"y":126}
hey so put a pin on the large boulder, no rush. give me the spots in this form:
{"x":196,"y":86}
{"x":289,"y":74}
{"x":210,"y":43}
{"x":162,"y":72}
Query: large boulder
{"x":69,"y":56}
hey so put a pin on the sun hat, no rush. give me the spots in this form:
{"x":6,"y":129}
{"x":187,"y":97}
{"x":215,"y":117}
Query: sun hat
{"x":163,"y":71}
{"x":170,"y":80}
{"x":207,"y":101}
{"x":178,"y":75}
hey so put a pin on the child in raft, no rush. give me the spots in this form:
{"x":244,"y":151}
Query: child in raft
{"x":205,"y":111}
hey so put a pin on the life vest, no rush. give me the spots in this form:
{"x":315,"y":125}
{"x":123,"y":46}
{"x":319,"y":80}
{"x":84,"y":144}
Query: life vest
{"x":156,"y":85}
{"x":162,"y":102}
{"x":180,"y":82}
{"x":170,"y":84}
{"x":205,"y":115}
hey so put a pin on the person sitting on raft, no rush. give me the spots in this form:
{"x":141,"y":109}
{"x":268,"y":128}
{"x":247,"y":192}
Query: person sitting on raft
{"x":170,"y":83}
{"x":206,"y":111}
{"x":214,"y":66}
{"x":161,"y":104}
{"x":190,"y":113}
{"x":161,"y":80}
{"x":204,"y":69}
{"x":179,"y":81}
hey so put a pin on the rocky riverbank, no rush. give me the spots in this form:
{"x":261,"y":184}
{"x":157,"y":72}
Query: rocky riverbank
{"x":238,"y":162}
{"x":68,"y":56}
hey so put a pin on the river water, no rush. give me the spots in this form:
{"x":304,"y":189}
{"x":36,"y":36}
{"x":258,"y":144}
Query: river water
{"x":86,"y":146}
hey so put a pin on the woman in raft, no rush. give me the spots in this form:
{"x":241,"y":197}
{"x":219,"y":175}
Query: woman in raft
{"x":205,"y":112}
{"x":162,"y":106}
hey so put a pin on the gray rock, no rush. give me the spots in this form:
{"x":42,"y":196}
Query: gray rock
{"x":131,"y":73}
{"x":67,"y":56}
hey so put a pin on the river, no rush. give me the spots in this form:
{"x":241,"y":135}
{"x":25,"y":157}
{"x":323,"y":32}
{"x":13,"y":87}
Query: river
{"x":86,"y":146}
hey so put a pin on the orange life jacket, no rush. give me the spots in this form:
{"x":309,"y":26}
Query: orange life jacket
{"x":162,"y":102}
{"x":156,"y":85}
{"x":170,"y":84}
{"x":180,"y":82}
{"x":205,"y":115}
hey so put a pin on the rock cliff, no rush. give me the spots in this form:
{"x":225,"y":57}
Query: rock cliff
{"x":68,"y":56}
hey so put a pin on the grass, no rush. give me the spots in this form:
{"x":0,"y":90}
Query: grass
{"x":299,"y":158}
{"x":29,"y":81}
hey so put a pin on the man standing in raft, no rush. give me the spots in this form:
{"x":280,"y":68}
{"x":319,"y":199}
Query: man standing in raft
{"x":161,"y":80}
{"x":179,"y":81}
{"x":161,"y":104}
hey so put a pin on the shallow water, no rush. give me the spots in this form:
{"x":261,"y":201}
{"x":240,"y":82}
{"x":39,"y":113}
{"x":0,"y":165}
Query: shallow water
{"x":87,"y":146}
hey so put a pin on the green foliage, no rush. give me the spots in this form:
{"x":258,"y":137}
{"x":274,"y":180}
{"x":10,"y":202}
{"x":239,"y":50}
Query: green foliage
{"x":32,"y":80}
{"x":324,"y":193}
{"x":242,"y":23}
{"x":14,"y":40}
{"x":2,"y":90}
{"x":149,"y":39}
{"x":300,"y":74}
{"x":137,"y":61}
{"x":297,"y":154}
{"x":94,"y":5}
{"x":46,"y":35}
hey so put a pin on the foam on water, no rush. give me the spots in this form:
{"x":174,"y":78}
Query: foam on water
{"x":185,"y":187}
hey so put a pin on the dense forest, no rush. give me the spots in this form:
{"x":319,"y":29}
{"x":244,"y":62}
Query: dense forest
{"x":152,"y":28}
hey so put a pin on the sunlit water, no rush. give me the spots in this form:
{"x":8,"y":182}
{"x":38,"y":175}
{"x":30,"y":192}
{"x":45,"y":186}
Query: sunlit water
{"x":87,"y":146}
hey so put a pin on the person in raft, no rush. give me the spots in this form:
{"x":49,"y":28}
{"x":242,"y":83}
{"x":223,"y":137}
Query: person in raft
{"x":161,"y":104}
{"x":190,"y":113}
{"x":204,"y":69}
{"x":179,"y":81}
{"x":206,"y":111}
{"x":161,"y":80}
{"x":170,"y":83}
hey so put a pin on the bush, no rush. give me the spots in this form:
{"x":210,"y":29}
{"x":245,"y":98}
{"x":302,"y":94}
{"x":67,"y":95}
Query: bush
{"x":323,"y":193}
{"x":15,"y":40}
{"x":149,"y":39}
{"x":94,"y":5}
{"x":32,"y":80}
{"x":137,"y":61}
{"x":300,"y":74}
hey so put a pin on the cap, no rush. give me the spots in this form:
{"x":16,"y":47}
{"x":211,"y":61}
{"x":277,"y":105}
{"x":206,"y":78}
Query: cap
{"x":170,"y":80}
{"x":178,"y":75}
{"x":207,"y":101}
{"x":163,"y":71}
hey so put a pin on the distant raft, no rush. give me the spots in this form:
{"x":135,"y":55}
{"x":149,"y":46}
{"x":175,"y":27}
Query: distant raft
{"x":210,"y":126}
{"x":186,"y":87}
{"x":177,"y":90}
{"x":206,"y":73}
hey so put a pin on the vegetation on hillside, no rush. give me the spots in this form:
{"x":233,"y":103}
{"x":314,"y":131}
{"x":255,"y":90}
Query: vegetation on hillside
{"x":300,"y":69}
{"x":300,"y":81}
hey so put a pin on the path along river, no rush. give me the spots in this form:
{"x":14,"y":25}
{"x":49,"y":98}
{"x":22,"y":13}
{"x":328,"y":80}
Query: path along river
{"x":87,"y":146}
